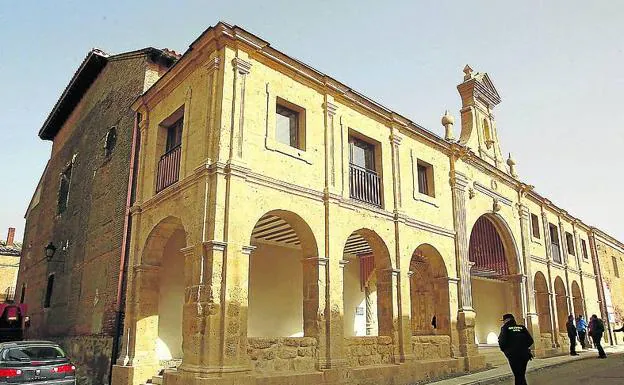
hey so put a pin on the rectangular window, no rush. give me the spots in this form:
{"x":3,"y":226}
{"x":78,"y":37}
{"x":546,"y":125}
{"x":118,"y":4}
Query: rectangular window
{"x":174,"y":135}
{"x":584,"y":248}
{"x":535,"y":226}
{"x":570,"y":243}
{"x":289,"y":128}
{"x":425,"y":178}
{"x":63,"y":196}
{"x":49,"y":289}
{"x":554,"y":243}
{"x":616,"y":271}
{"x":361,"y":154}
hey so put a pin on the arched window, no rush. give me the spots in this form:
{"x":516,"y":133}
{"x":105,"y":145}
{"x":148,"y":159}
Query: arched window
{"x":111,"y":141}
{"x":487,"y":133}
{"x":50,"y":287}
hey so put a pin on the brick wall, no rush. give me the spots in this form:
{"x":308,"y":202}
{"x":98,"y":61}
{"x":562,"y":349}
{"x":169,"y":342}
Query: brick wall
{"x":88,"y":235}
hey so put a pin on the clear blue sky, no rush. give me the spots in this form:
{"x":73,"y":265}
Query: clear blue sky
{"x":558,"y":65}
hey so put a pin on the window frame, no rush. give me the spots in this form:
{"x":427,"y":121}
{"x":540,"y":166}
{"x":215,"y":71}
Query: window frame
{"x":570,"y":242}
{"x":300,"y":119}
{"x":370,"y":153}
{"x":173,"y":141}
{"x":426,"y":170}
{"x":47,"y":301}
{"x":584,"y":249}
{"x":110,"y":141}
{"x":535,"y":227}
{"x":65,"y":178}
{"x":616,"y":269}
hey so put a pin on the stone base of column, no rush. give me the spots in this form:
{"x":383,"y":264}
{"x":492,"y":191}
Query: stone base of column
{"x":468,"y":350}
{"x":188,"y":378}
{"x":133,"y":375}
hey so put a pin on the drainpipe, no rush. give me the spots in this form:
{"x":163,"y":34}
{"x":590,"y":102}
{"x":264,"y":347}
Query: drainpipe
{"x":599,"y":282}
{"x":125,"y":247}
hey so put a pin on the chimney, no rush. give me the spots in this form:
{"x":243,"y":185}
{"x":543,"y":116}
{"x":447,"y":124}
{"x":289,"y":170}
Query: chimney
{"x":10,"y":237}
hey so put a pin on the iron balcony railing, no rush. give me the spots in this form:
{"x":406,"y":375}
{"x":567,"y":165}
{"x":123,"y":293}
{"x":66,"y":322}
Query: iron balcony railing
{"x":364,"y":185}
{"x":168,"y":168}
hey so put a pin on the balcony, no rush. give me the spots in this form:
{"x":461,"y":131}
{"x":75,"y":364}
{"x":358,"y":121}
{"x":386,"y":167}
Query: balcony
{"x":168,"y":168}
{"x":364,"y":185}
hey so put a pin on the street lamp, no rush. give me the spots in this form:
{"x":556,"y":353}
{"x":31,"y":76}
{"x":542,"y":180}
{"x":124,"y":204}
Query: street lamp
{"x":50,"y":249}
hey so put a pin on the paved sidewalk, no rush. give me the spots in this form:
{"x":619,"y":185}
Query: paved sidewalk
{"x":502,"y":372}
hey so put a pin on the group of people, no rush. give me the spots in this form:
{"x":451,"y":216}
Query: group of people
{"x":515,"y":341}
{"x":580,"y":328}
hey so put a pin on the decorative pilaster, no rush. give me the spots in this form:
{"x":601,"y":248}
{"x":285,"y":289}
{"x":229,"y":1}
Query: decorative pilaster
{"x":577,"y":241}
{"x":395,"y":140}
{"x":529,"y":306}
{"x":210,"y":131}
{"x":241,"y":70}
{"x":330,"y":144}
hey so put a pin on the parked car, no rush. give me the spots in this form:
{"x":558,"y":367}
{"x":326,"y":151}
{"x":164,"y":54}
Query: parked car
{"x":35,"y":363}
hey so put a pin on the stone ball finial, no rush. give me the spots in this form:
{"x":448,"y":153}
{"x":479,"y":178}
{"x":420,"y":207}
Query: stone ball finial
{"x":512,"y":166}
{"x":447,"y":121}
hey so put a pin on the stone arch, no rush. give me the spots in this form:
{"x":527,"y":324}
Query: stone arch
{"x":283,"y":277}
{"x":577,"y":300}
{"x":161,"y":287}
{"x":496,"y":287}
{"x":562,"y":304}
{"x":542,"y":302}
{"x":429,"y":292}
{"x":367,"y":285}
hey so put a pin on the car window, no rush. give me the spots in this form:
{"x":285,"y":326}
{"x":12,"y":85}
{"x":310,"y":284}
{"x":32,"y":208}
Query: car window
{"x":34,"y":353}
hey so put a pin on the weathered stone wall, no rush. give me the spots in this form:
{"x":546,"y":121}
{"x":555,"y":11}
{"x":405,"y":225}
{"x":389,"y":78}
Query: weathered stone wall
{"x":92,"y":355}
{"x":431,"y":347}
{"x":362,"y":351}
{"x":282,"y":354}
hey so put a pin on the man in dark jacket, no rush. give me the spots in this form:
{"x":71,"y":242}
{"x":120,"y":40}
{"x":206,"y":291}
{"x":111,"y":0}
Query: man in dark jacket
{"x":515,"y":341}
{"x":571,"y":328}
{"x":596,"y":326}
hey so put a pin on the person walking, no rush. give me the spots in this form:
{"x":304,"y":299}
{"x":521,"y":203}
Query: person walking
{"x":515,"y":342}
{"x":571,"y":328}
{"x":581,"y":330}
{"x":596,"y":327}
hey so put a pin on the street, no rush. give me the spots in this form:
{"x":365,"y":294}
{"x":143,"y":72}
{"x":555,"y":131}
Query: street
{"x":587,"y":372}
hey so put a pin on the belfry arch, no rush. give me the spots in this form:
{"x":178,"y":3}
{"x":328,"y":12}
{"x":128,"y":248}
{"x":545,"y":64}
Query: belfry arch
{"x":494,"y":276}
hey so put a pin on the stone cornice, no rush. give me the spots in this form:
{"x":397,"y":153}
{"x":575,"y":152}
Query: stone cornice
{"x":603,"y":237}
{"x":427,"y":227}
{"x":492,"y":194}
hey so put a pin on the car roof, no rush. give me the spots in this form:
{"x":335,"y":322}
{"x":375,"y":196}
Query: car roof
{"x":11,"y":344}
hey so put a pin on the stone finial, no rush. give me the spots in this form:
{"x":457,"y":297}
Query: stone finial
{"x":512,"y":166}
{"x":447,"y":121}
{"x":467,"y":72}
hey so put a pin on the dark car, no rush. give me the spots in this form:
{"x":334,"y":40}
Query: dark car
{"x":35,"y":362}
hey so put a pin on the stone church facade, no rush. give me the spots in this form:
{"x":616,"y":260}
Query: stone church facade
{"x":287,"y":229}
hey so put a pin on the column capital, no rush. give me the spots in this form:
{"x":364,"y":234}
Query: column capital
{"x":523,"y":210}
{"x":331,"y":108}
{"x":343,"y":263}
{"x":322,"y":261}
{"x":215,"y":245}
{"x":188,"y":250}
{"x":212,"y":64}
{"x":395,"y":138}
{"x":241,"y":66}
{"x":459,"y":180}
{"x":248,"y":249}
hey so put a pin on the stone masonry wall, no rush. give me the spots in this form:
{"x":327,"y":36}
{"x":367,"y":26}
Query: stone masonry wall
{"x":362,"y":351}
{"x":282,"y":354}
{"x":431,"y":347}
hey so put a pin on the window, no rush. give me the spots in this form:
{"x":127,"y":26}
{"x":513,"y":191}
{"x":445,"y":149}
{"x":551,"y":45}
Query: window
{"x":111,"y":141}
{"x":584,"y":249}
{"x":554,"y":242}
{"x":49,"y":288}
{"x":535,"y":226}
{"x":570,"y":244}
{"x":174,"y":135}
{"x":23,"y":294}
{"x":616,"y":272}
{"x":289,"y":127}
{"x":362,"y":154}
{"x":425,"y":178}
{"x":63,"y":196}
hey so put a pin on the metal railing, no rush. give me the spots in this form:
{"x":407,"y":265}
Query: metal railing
{"x":168,"y":168}
{"x":364,"y":185}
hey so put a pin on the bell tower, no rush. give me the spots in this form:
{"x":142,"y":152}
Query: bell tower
{"x":478,"y":127}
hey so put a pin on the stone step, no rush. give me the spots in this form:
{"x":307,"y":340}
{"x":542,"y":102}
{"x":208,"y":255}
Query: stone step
{"x":493,"y":356}
{"x":158,"y":380}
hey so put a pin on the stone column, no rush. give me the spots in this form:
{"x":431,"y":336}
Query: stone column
{"x":531,"y":317}
{"x":241,"y":70}
{"x":566,"y":252}
{"x":579,"y":259}
{"x":549,"y":259}
{"x":466,"y":313}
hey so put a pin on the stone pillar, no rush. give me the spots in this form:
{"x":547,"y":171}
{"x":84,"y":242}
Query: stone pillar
{"x":241,"y":70}
{"x":453,"y":304}
{"x":138,"y":361}
{"x":549,"y":259}
{"x":466,"y":313}
{"x":529,"y":307}
{"x":579,"y":258}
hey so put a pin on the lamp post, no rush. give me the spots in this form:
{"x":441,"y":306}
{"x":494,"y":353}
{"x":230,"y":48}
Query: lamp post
{"x":50,"y":250}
